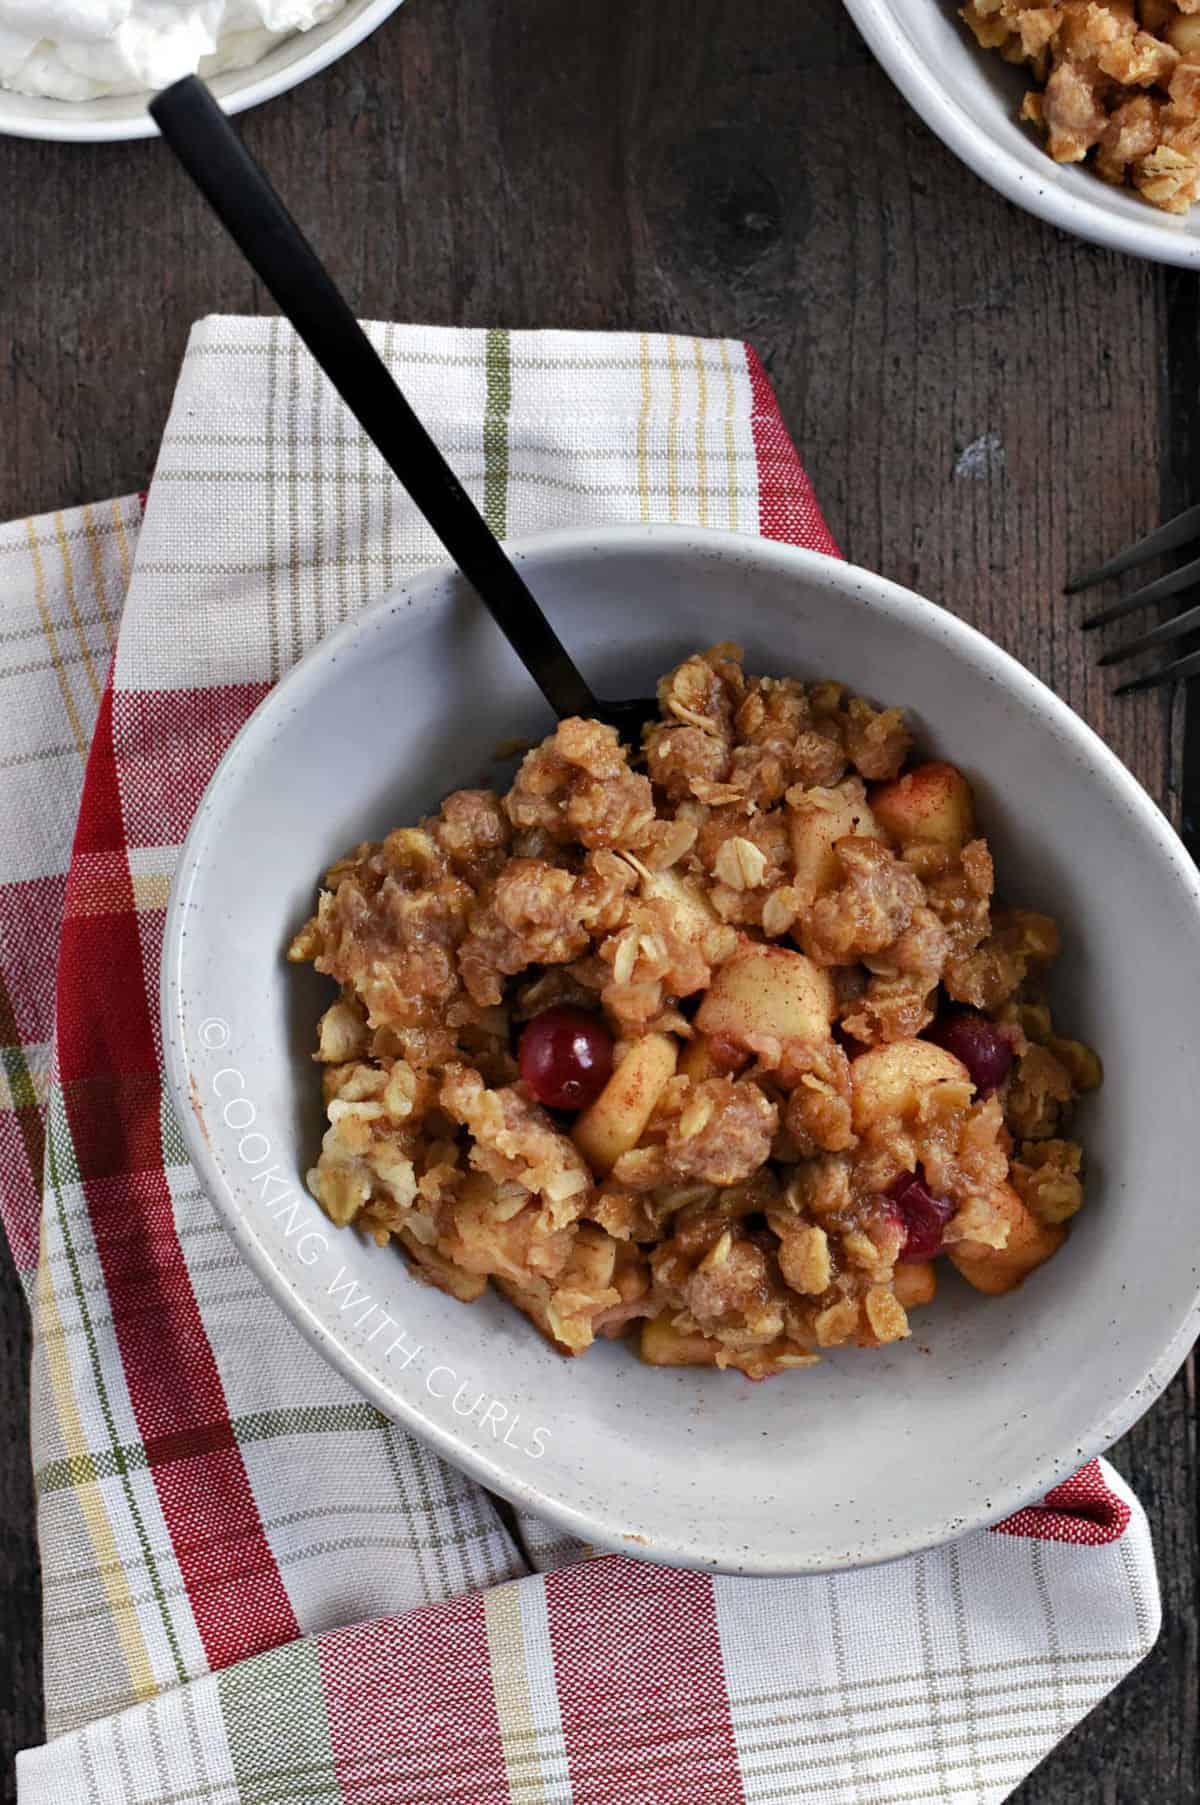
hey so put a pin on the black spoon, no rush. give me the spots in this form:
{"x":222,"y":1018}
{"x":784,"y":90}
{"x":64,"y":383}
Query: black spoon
{"x":276,"y":249}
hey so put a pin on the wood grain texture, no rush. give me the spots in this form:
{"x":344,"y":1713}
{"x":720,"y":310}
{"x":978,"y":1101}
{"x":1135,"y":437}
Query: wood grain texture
{"x":20,"y":1602}
{"x":982,"y":404}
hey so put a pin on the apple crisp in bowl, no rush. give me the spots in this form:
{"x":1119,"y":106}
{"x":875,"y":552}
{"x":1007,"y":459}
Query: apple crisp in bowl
{"x":1114,"y":81}
{"x":718,"y":1045}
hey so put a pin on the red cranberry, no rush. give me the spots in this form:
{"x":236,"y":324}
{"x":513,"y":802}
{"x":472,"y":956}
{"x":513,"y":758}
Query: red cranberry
{"x":979,"y":1043}
{"x":924,"y":1217}
{"x":566,"y":1057}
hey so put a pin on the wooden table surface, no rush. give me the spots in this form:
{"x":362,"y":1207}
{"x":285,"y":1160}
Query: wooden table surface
{"x":982,"y":404}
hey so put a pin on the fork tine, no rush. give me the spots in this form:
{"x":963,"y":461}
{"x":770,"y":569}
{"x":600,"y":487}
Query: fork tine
{"x":1184,"y":578}
{"x":1182,"y":667}
{"x":1178,"y":627}
{"x":1181,"y":531}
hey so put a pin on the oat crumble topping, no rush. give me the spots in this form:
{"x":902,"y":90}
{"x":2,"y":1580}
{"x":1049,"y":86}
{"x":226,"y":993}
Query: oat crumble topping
{"x":1116,"y":81}
{"x":831,"y":1056}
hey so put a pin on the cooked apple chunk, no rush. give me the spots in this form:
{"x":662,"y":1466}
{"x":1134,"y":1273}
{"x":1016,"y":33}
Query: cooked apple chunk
{"x":817,"y":820}
{"x":767,"y":993}
{"x":914,"y":1283}
{"x":691,"y":914}
{"x":617,"y":1119}
{"x":662,"y":1344}
{"x":930,"y":805}
{"x":995,"y":1270}
{"x":888,"y":1081}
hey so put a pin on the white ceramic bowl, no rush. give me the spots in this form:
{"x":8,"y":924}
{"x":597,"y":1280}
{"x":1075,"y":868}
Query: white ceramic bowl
{"x":869,"y":1455}
{"x":970,"y":98}
{"x":285,"y":66}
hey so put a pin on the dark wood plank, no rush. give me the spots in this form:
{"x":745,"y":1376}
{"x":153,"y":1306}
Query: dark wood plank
{"x":982,"y":403}
{"x":20,"y":1601}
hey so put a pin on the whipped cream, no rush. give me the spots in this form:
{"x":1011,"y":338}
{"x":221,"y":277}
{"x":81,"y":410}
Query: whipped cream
{"x":81,"y":49}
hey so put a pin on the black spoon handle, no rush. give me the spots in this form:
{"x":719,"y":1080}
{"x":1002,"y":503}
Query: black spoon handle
{"x":273,"y":244}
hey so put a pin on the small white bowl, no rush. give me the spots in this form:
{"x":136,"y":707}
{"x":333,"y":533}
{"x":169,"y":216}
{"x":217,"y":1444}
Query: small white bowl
{"x":868,"y":1455}
{"x":285,"y":66}
{"x":970,"y":97}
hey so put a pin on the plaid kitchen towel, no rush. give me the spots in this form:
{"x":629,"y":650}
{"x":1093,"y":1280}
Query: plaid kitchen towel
{"x":258,"y":1590}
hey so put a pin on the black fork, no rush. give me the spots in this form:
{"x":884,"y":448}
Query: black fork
{"x":1182,"y":530}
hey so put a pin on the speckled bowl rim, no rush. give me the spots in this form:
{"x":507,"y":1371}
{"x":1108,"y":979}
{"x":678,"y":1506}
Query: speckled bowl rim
{"x":678,"y":1546}
{"x":1060,"y":205}
{"x":71,"y":122}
